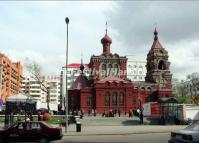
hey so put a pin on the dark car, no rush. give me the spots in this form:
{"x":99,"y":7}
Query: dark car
{"x":27,"y":131}
{"x":188,"y":135}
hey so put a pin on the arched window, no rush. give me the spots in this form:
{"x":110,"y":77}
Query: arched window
{"x":88,"y":101}
{"x":116,"y":70}
{"x":103,"y":70}
{"x":121,"y":100}
{"x":161,"y":65}
{"x":109,"y":71}
{"x":107,"y":99}
{"x":114,"y":98}
{"x":149,"y":88}
{"x":142,"y":88}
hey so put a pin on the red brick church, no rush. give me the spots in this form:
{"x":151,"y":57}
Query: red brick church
{"x":108,"y":88}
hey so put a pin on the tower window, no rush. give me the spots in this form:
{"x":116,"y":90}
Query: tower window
{"x":109,"y":69}
{"x":103,"y":70}
{"x":116,"y":69}
{"x":161,"y":65}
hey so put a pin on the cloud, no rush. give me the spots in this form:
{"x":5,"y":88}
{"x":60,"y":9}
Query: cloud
{"x":38,"y":30}
{"x":177,"y":24}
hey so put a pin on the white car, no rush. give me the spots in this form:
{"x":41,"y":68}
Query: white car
{"x":188,"y":135}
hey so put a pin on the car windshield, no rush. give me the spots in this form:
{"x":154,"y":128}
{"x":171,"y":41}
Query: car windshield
{"x":194,"y":126}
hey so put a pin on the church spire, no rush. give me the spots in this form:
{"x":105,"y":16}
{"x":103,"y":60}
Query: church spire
{"x":82,"y":65}
{"x":106,"y":42}
{"x":155,"y":34}
{"x":106,"y":27}
{"x":156,"y":44}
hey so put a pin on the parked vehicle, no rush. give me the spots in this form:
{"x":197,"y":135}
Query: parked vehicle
{"x":27,"y":131}
{"x":188,"y":135}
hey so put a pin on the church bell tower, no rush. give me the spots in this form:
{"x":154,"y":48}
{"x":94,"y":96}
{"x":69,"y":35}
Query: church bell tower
{"x":158,"y":66}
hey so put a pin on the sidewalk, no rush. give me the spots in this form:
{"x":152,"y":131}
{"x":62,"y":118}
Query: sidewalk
{"x":120,"y":130}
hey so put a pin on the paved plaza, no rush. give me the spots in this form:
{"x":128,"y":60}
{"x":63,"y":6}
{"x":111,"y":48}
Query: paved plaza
{"x":116,"y":126}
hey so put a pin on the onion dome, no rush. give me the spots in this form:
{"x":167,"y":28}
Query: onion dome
{"x":106,"y":39}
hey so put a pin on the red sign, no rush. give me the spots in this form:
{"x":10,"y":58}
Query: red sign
{"x":155,"y":108}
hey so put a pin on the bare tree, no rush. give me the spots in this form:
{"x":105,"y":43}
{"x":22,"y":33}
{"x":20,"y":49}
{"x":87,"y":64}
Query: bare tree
{"x":34,"y":69}
{"x":193,"y":80}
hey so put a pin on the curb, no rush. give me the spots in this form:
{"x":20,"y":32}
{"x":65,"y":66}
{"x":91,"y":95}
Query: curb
{"x":98,"y":134}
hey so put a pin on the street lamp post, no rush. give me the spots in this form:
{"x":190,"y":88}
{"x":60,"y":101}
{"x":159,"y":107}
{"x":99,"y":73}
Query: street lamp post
{"x":66,"y":99}
{"x":1,"y":72}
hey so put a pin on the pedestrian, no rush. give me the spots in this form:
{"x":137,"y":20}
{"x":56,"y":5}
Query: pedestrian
{"x":130,"y":113}
{"x":31,"y":117}
{"x":119,"y":113}
{"x":39,"y":116}
{"x":92,"y":112}
{"x":115,"y":111}
{"x":103,"y":114}
{"x":89,"y":112}
{"x":141,"y":118}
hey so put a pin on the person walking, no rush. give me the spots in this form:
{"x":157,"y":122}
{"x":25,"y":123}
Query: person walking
{"x":39,"y":116}
{"x":119,"y":113}
{"x":141,"y":118}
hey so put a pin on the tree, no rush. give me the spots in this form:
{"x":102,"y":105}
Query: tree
{"x":187,"y":90}
{"x":180,"y":88}
{"x":34,"y":69}
{"x":193,"y":80}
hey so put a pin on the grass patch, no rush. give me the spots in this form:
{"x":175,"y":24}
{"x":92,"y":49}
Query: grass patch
{"x":53,"y":119}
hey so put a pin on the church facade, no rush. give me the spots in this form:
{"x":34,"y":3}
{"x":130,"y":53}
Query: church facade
{"x":108,"y":87}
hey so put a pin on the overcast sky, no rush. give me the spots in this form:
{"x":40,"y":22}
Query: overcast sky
{"x":37,"y":30}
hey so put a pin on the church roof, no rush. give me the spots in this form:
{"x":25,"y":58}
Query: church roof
{"x":112,"y":79}
{"x":156,"y":43}
{"x":76,"y":65}
{"x":81,"y":82}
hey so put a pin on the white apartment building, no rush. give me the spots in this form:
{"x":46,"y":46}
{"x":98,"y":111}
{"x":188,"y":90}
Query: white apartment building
{"x":136,"y":69}
{"x":33,"y":88}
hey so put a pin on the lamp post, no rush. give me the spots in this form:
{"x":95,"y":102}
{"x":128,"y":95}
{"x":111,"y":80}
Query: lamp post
{"x":66,"y":99}
{"x":1,"y":72}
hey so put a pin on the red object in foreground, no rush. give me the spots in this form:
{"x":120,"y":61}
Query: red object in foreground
{"x":46,"y":117}
{"x":30,"y":131}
